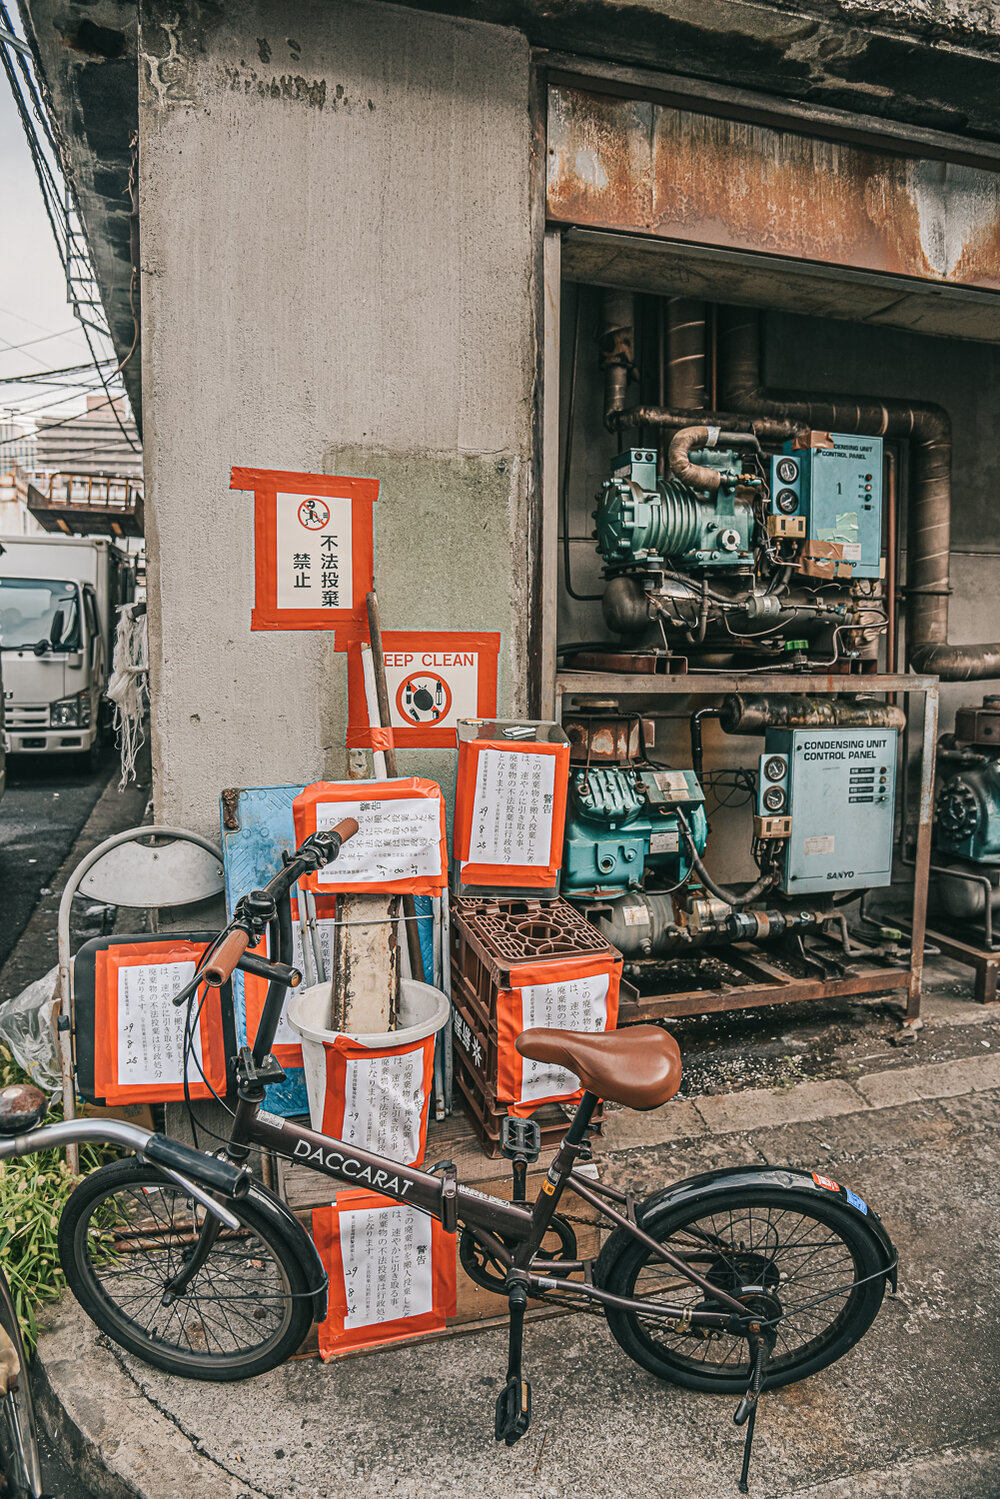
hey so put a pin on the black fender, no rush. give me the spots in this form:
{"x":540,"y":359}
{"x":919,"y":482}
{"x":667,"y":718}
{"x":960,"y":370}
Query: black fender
{"x":287,"y":1227}
{"x":702,"y":1188}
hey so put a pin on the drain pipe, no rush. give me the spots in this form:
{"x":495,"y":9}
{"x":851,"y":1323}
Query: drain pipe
{"x":928,"y":429}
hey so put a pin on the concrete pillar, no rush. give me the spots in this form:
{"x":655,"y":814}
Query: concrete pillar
{"x":337,"y":276}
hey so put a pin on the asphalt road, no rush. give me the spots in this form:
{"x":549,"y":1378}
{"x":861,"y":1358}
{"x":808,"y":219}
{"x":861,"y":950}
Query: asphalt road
{"x":48,"y":799}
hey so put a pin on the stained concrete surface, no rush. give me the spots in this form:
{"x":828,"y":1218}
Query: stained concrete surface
{"x":910,"y":1413}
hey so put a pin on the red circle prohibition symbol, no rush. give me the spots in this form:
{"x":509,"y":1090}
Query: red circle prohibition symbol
{"x":314,"y":514}
{"x":423,"y":698}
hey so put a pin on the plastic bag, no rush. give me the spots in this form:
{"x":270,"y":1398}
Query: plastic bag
{"x":28,"y":1031}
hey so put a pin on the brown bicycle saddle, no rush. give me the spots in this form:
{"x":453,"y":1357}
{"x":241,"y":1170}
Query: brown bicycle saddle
{"x":639,"y":1067}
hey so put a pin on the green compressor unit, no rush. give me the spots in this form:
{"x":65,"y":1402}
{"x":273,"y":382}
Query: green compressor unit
{"x":622,"y":825}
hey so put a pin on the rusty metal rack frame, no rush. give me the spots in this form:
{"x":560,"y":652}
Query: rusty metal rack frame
{"x":771,"y":985}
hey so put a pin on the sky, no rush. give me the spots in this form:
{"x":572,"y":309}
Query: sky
{"x":33,"y":303}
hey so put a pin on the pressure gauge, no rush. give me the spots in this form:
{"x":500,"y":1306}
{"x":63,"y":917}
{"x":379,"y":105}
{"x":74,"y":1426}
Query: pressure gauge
{"x":774,"y":768}
{"x":787,"y":470}
{"x":774,"y":798}
{"x":787,"y":501}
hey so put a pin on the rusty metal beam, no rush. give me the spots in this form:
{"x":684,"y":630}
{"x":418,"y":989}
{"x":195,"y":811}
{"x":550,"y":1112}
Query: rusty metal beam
{"x":671,"y":173}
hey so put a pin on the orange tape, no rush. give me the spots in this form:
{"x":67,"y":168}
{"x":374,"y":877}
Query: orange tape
{"x":343,"y":1051}
{"x":510,"y":1023}
{"x":518,"y":876}
{"x":358,"y":792}
{"x":334,"y":1336}
{"x":108,"y":965}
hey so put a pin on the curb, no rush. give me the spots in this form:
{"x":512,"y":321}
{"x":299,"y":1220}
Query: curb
{"x":117,"y":1441}
{"x":766,"y":1108}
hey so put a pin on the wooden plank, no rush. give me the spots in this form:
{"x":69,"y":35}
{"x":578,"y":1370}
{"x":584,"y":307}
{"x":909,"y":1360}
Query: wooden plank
{"x":703,"y":1002}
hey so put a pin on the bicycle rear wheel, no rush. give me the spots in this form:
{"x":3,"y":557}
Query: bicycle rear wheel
{"x":799,"y":1259}
{"x":126,"y":1231}
{"x":20,"y":1468}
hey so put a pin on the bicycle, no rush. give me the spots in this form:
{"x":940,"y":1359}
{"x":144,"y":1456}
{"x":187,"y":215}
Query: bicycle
{"x":737,"y":1281}
{"x":22,"y":1109}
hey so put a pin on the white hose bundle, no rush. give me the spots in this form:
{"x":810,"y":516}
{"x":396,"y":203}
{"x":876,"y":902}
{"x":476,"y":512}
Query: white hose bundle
{"x":126,"y":689}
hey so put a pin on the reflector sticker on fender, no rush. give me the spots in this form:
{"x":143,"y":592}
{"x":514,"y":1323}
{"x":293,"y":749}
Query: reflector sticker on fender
{"x":856,"y":1201}
{"x":825,"y":1181}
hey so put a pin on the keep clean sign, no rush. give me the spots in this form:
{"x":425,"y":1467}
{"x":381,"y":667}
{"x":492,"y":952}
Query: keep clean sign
{"x":434,"y":679}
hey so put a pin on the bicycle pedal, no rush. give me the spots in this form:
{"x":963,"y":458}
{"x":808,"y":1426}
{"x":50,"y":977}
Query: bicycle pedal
{"x":520,"y":1137}
{"x":513,"y":1411}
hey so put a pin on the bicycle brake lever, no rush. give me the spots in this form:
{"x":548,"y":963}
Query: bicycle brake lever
{"x":182,"y":997}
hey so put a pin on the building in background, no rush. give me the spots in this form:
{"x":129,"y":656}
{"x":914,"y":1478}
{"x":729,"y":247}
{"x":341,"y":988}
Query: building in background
{"x":100,"y":440}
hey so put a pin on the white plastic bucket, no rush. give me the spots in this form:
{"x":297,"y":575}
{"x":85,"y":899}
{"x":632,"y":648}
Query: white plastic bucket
{"x":371,"y":1091}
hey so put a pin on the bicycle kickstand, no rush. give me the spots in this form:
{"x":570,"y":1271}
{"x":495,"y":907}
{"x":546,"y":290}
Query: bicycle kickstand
{"x":746,"y":1412}
{"x":513,"y":1409}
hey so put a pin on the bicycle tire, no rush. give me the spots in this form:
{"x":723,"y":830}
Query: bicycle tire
{"x":251,"y":1287}
{"x":716,"y":1232}
{"x":20,"y":1465}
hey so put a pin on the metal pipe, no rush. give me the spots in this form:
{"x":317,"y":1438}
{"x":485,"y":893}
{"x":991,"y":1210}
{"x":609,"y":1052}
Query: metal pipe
{"x":616,"y":346}
{"x":753,"y":714}
{"x":686,"y":353}
{"x":928,"y":429}
{"x":696,"y":475}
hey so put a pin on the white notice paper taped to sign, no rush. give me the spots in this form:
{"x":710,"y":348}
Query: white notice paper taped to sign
{"x":150,"y":1027}
{"x":383,"y":1103}
{"x":513,"y":808}
{"x":574,"y":1005}
{"x":397,"y":839}
{"x":315,"y":552}
{"x":386,"y":1254}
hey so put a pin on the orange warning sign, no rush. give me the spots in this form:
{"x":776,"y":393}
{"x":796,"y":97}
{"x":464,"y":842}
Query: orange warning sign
{"x":313,"y":548}
{"x":434,"y":679}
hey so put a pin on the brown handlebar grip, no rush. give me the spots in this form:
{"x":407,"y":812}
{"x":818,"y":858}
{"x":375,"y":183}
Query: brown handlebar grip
{"x":226,"y":957}
{"x":345,"y":829}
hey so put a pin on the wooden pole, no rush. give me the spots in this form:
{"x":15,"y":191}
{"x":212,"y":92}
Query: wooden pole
{"x":384,"y":712}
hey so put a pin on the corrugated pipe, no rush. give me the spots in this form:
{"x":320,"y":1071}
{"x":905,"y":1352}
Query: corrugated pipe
{"x":928,"y":429}
{"x":685,"y":353}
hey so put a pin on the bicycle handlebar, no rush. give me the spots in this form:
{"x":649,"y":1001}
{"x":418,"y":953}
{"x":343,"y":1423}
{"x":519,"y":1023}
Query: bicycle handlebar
{"x":221,"y":1175}
{"x":254,"y":911}
{"x":226,"y":956}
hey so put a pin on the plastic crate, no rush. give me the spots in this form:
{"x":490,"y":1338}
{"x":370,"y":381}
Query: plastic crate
{"x":487,"y":1116}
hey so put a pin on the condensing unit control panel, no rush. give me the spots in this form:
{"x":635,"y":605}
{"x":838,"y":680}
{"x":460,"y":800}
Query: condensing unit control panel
{"x":836,"y":488}
{"x":837,"y":787}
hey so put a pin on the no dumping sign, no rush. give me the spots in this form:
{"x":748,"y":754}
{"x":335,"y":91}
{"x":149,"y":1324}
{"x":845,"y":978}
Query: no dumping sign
{"x":313,"y":548}
{"x":434,"y":677}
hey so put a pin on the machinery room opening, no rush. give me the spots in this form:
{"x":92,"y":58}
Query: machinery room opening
{"x":758,"y":583}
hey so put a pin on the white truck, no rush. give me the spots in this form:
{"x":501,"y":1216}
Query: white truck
{"x":58,"y":610}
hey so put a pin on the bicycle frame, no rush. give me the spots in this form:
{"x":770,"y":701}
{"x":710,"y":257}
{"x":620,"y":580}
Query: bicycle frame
{"x":492,"y":1220}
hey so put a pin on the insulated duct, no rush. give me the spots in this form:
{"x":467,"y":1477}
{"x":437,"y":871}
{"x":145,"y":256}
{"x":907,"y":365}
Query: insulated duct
{"x":928,"y":430}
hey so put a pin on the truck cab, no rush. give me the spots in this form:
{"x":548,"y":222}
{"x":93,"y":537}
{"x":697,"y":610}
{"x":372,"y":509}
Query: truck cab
{"x":58,"y":597}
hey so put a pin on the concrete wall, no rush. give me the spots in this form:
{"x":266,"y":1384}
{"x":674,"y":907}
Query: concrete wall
{"x":337,"y":276}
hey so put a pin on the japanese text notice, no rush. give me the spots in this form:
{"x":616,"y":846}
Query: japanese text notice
{"x":150,"y":1027}
{"x":513,"y":808}
{"x":386,"y":1254}
{"x":574,"y":1005}
{"x":397,"y":839}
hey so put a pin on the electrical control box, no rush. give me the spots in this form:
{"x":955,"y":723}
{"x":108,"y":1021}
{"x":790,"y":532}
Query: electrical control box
{"x":836,"y":487}
{"x":837,"y":786}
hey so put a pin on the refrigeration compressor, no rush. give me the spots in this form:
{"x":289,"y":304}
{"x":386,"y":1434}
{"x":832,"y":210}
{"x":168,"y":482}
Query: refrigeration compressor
{"x":967,"y":826}
{"x":780,"y":556}
{"x":823,"y":825}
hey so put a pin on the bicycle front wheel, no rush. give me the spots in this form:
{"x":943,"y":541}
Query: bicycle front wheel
{"x":20,"y":1468}
{"x":800,"y":1260}
{"x":126,"y":1232}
